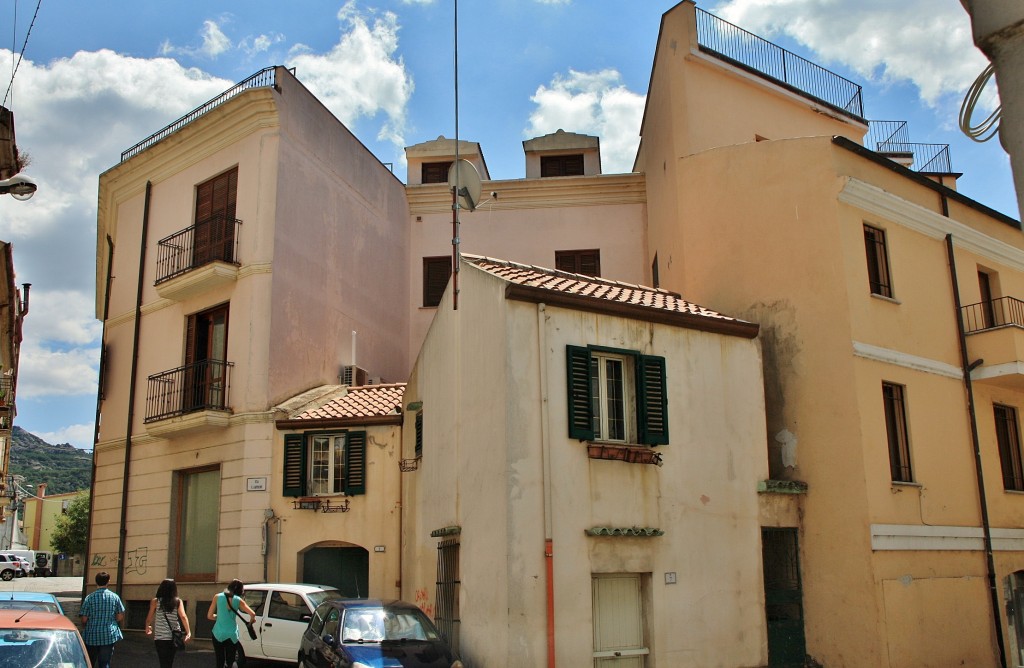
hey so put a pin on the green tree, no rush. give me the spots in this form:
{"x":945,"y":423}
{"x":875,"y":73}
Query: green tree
{"x":69,"y":535}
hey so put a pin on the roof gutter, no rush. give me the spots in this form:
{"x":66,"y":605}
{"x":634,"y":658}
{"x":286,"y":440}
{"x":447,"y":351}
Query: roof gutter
{"x":334,"y":423}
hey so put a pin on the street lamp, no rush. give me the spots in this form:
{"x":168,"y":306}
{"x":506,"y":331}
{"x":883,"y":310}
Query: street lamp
{"x":19,"y":186}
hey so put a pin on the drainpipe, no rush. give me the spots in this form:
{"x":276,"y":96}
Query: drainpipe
{"x":545,"y":447}
{"x":131,"y":395}
{"x":985,"y":525}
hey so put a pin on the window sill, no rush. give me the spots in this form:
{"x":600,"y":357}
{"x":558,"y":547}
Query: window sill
{"x":897,"y":485}
{"x":633,"y":454}
{"x":891,"y":300}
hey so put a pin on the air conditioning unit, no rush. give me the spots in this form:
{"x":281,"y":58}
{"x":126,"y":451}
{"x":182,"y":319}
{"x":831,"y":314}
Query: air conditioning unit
{"x":353,"y":376}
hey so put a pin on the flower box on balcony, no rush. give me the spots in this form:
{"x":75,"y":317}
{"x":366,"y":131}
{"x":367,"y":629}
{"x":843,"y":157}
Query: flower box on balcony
{"x":632,"y":454}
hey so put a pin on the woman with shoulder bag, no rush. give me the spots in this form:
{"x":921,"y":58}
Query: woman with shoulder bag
{"x":167,"y":623}
{"x":224,"y":612}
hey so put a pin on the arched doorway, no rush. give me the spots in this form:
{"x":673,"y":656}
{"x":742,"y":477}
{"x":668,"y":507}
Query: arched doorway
{"x":345,"y":566}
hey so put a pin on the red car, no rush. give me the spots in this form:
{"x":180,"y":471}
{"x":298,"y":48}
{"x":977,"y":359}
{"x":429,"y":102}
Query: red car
{"x":44,"y":639}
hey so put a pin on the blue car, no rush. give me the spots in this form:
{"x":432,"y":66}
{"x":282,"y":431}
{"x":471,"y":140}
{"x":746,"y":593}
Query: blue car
{"x":30,"y":600}
{"x":368,"y":633}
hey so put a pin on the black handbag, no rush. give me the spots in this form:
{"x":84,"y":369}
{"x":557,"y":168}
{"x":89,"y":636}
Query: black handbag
{"x":177,"y":635}
{"x":248,"y":624}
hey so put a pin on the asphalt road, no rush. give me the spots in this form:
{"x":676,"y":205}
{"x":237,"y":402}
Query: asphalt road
{"x":136,"y":650}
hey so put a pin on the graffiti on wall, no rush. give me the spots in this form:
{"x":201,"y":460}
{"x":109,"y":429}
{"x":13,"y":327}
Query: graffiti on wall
{"x":135,"y":561}
{"x":423,"y":601}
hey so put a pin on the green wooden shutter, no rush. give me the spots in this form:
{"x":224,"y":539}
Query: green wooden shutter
{"x":294,"y":465}
{"x":355,"y":462}
{"x":652,"y":400}
{"x":581,"y":423}
{"x":419,"y":433}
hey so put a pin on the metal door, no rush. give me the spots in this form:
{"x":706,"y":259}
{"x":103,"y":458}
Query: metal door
{"x":783,"y":598}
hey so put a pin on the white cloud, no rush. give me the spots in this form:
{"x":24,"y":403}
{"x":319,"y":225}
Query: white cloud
{"x":360,"y":75}
{"x":925,"y":42}
{"x":78,"y":435}
{"x":592,"y":103}
{"x":253,"y":46}
{"x":47,"y":372}
{"x":214,"y":43}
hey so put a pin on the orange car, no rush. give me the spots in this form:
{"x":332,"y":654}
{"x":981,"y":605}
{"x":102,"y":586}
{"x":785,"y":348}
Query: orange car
{"x":34,"y":639}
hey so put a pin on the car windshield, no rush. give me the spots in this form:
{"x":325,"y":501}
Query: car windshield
{"x":381,"y":625}
{"x":42,"y":606}
{"x":318,"y":597}
{"x":41,"y":648}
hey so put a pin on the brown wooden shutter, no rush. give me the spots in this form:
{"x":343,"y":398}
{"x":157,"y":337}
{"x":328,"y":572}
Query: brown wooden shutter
{"x":436,"y":271}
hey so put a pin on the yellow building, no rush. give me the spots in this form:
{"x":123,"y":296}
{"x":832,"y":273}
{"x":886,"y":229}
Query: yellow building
{"x":40,"y":518}
{"x":892,"y":368}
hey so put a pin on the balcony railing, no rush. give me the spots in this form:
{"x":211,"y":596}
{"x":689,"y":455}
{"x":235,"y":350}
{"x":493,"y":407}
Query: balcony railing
{"x":893,"y":137}
{"x":262,"y":79}
{"x":994,"y":313}
{"x":207,"y":241}
{"x":747,"y":50}
{"x":194,"y":387}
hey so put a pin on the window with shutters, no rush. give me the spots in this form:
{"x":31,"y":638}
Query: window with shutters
{"x":586,"y":262}
{"x":419,"y":434}
{"x":215,"y":219}
{"x":436,"y":271}
{"x":561,"y":165}
{"x":325,"y":463}
{"x":897,"y":434}
{"x":616,"y":396}
{"x":435,"y":172}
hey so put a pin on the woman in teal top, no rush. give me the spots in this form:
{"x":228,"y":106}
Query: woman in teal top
{"x":225,"y":628}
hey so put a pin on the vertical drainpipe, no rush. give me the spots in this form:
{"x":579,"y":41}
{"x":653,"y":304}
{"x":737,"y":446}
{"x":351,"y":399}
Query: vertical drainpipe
{"x":985,"y":525}
{"x":131,"y":394}
{"x":545,"y":446}
{"x":99,"y":402}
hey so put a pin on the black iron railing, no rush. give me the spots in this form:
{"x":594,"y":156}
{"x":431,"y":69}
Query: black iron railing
{"x":210,"y":240}
{"x":994,"y":313}
{"x":893,"y":137}
{"x":747,"y":50}
{"x":262,"y":79}
{"x":194,"y":387}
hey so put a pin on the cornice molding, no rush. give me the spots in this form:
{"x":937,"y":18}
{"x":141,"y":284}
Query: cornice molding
{"x":893,"y":208}
{"x":907,"y":361}
{"x":537,"y":193}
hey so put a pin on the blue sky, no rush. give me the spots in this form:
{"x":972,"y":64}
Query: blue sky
{"x":97,"y":77}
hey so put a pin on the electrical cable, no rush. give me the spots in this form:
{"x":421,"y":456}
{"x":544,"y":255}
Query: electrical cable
{"x":990,"y":126}
{"x":21,"y":54}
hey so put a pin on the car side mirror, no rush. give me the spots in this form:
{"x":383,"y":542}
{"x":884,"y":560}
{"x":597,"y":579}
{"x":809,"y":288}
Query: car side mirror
{"x":305,"y":618}
{"x":330,"y":641}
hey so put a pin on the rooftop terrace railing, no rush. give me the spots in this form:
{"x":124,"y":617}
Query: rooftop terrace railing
{"x":747,"y":50}
{"x":262,"y":79}
{"x":893,"y":137}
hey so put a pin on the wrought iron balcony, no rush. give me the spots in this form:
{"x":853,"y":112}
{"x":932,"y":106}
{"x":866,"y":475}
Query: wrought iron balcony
{"x":893,"y":139}
{"x":996,"y":341}
{"x":750,"y":52}
{"x":211,"y":240}
{"x":201,"y":386}
{"x":993,"y":313}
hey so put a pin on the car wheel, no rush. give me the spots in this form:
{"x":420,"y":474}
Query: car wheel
{"x":7,"y":575}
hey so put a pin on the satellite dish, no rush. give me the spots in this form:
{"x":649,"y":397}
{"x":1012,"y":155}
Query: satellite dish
{"x":463,"y":176}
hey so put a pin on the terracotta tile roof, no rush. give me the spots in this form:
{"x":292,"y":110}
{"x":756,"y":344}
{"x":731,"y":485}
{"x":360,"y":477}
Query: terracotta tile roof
{"x":612,"y":292}
{"x":358,"y":402}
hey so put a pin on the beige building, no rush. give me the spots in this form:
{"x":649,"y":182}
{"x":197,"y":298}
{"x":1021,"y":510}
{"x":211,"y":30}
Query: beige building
{"x":585,"y":455}
{"x":859,"y":272}
{"x":258,"y":222}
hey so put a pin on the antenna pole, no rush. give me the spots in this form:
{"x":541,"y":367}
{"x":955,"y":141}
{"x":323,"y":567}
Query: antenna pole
{"x":455,"y":189}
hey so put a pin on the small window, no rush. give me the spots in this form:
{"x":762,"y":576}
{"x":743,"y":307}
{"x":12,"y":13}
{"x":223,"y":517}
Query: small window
{"x":617,"y":396}
{"x":435,"y":172}
{"x":436,"y":272}
{"x":561,"y":165}
{"x":896,"y":432}
{"x":586,"y":262}
{"x":878,"y":261}
{"x":655,"y":278}
{"x":322,"y":464}
{"x":1008,"y":437}
{"x":419,"y":434}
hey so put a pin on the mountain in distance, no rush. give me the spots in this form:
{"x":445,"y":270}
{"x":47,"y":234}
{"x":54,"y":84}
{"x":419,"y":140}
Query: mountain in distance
{"x":63,"y":467}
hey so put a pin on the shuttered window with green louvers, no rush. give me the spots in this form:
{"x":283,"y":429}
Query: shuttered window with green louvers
{"x":297,"y":476}
{"x":616,"y":395}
